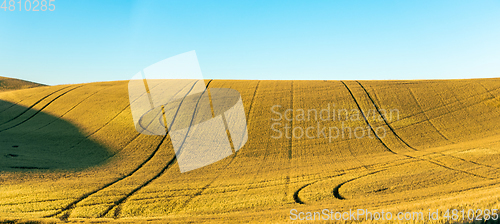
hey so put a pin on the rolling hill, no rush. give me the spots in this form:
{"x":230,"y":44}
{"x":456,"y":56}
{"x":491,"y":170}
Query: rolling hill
{"x":71,"y":152}
{"x":7,"y":84}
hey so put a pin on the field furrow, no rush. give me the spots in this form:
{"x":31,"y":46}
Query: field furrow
{"x":23,"y":120}
{"x":72,"y":152}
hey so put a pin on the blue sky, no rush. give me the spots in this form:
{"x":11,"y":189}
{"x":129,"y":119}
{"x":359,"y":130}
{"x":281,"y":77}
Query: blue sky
{"x":88,"y":41}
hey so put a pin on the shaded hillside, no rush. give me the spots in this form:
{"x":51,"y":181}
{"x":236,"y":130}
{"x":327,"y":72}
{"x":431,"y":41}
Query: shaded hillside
{"x":7,"y":84}
{"x":439,"y":149}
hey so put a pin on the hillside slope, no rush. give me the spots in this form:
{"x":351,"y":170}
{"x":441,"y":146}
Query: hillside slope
{"x":7,"y":84}
{"x":72,"y":151}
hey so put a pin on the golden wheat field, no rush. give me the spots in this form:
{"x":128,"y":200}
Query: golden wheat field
{"x":7,"y":84}
{"x":72,"y":153}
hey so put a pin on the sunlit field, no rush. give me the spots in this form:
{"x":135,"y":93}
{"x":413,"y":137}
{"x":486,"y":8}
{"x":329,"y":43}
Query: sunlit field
{"x":72,"y":153}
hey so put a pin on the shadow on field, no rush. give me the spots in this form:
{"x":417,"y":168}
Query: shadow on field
{"x":33,"y":140}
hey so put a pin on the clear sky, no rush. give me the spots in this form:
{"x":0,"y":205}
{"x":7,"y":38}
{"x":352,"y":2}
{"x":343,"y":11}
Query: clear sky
{"x":90,"y":40}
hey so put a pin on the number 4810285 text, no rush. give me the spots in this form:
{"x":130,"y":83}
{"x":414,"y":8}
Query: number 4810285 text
{"x":28,"y":5}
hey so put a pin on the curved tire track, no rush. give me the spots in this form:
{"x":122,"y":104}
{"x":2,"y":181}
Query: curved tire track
{"x":107,"y":123}
{"x":427,"y":116}
{"x":296,"y":197}
{"x":448,"y":104}
{"x":201,"y":190}
{"x":73,"y":204}
{"x":384,"y":118}
{"x":401,"y":139}
{"x":336,"y":189}
{"x":264,"y":157}
{"x":38,"y":111}
{"x":72,"y":108}
{"x":366,"y":120}
{"x":31,"y":106}
{"x":297,"y":192}
{"x":117,"y":204}
{"x":160,"y":118}
{"x":413,"y":157}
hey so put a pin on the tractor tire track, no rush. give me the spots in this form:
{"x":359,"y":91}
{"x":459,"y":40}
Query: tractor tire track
{"x":73,"y":204}
{"x":201,"y":190}
{"x":431,"y":161}
{"x":442,"y":135}
{"x":366,"y":120}
{"x":263,"y":182}
{"x":473,"y":162}
{"x":428,"y":118}
{"x":107,"y":123}
{"x":384,"y":118}
{"x":38,"y":111}
{"x":160,"y":118}
{"x":297,"y":192}
{"x":30,"y":202}
{"x":267,"y":151}
{"x":250,"y":107}
{"x":296,"y":197}
{"x":336,"y":189}
{"x":120,"y":201}
{"x":448,"y":104}
{"x":290,"y":146}
{"x":413,"y":157}
{"x":371,"y":99}
{"x":31,"y":106}
{"x":72,"y":108}
{"x":443,"y":114}
{"x":273,"y":185}
{"x":263,"y":159}
{"x":487,"y":90}
{"x":117,"y":204}
{"x":123,"y":199}
{"x":252,"y":102}
{"x":355,"y":157}
{"x":337,"y":195}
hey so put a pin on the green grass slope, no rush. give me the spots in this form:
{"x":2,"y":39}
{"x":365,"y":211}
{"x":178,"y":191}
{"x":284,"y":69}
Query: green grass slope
{"x":441,"y":151}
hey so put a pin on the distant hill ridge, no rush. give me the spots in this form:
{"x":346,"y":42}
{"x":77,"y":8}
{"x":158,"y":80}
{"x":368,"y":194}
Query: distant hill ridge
{"x":7,"y":84}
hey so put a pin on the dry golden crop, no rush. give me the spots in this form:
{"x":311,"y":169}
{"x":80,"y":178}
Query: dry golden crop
{"x":7,"y":84}
{"x":71,"y":152}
